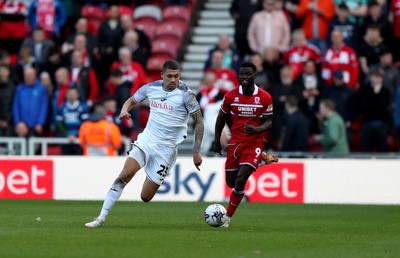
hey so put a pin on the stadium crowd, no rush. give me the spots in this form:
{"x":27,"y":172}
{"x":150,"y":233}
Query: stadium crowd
{"x":59,"y":63}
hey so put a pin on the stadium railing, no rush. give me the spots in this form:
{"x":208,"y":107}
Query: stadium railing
{"x":13,"y":146}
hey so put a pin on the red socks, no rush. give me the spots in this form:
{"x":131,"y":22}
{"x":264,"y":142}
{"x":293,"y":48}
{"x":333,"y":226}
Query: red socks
{"x":234,"y":201}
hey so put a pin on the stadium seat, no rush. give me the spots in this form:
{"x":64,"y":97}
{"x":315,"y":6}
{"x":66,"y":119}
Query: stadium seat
{"x":160,"y":3}
{"x":92,"y":12}
{"x":93,"y":26}
{"x":171,"y":30}
{"x":165,"y":48}
{"x":154,"y":67}
{"x":147,"y":11}
{"x":176,"y":13}
{"x":148,"y":25}
{"x":123,"y":9}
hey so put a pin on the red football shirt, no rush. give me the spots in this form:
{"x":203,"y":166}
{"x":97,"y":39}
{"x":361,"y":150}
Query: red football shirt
{"x":246,"y":110}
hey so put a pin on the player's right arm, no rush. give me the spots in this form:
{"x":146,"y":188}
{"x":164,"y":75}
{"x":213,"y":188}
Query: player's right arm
{"x":128,"y":105}
{"x":219,"y":126}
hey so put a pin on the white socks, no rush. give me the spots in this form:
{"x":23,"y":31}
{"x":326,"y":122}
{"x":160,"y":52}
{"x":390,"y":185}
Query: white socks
{"x":112,"y":197}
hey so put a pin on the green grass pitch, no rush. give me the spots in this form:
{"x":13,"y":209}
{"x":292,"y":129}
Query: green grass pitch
{"x":176,"y":229}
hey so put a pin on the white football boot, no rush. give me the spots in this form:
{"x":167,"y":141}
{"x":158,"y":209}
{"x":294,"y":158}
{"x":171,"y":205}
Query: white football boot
{"x":226,"y":223}
{"x":95,"y":223}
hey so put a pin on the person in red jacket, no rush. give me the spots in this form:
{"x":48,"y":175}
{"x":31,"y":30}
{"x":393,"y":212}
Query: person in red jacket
{"x":342,"y":57}
{"x":300,"y":52}
{"x":226,"y":77}
{"x":84,"y":78}
{"x":12,"y":24}
{"x":132,"y":71}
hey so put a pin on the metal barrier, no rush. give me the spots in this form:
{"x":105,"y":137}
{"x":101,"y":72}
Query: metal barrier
{"x":13,"y":145}
{"x":45,"y":141}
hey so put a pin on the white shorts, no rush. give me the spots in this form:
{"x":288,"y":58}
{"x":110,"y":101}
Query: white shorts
{"x":157,"y":160}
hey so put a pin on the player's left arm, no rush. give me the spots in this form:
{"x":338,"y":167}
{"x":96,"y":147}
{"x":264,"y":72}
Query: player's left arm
{"x":198,"y":138}
{"x":266,"y":124}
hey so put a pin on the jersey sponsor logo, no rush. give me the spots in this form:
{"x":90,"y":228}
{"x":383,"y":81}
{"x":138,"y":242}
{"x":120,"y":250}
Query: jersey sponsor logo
{"x":257,"y":100}
{"x":159,"y":105}
{"x":281,"y":182}
{"x":26,"y":179}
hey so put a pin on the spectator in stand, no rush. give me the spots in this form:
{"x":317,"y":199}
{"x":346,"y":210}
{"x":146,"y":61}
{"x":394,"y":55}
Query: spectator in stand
{"x":375,"y":17}
{"x":231,"y":57}
{"x":262,"y":74}
{"x":112,"y":112}
{"x":395,"y":15}
{"x":374,"y":105}
{"x":45,"y":80}
{"x":62,"y":84}
{"x":30,"y":106}
{"x":41,"y":48}
{"x":12,"y":25}
{"x":268,"y":28}
{"x":69,"y":118}
{"x":291,"y":7}
{"x":396,"y":115}
{"x":84,"y":78}
{"x":80,"y":44}
{"x":340,"y":56}
{"x":132,"y":71}
{"x":139,"y":54}
{"x":300,"y":52}
{"x":99,"y":137}
{"x":209,"y":91}
{"x":81,"y":27}
{"x":358,"y":9}
{"x":280,"y":94}
{"x":26,"y":59}
{"x":370,"y":51}
{"x":312,"y":87}
{"x":49,"y":15}
{"x":343,"y":23}
{"x":344,"y":99}
{"x":333,"y":138}
{"x":242,"y":11}
{"x":391,"y":78}
{"x":272,"y":66}
{"x":226,"y":77}
{"x":5,"y":59}
{"x":127,"y":24}
{"x":7,"y":89}
{"x":122,"y":92}
{"x":316,"y":15}
{"x":210,"y":99}
{"x":296,"y":130}
{"x":108,"y":38}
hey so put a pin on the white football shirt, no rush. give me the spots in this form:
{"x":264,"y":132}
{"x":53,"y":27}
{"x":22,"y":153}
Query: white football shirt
{"x":169,"y":112}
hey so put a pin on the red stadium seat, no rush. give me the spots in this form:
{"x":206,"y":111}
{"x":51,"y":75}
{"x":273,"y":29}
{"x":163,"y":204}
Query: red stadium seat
{"x":176,"y":12}
{"x":175,"y":30}
{"x":93,"y":26}
{"x":123,"y":9}
{"x":92,"y":12}
{"x":147,"y":11}
{"x":165,"y":48}
{"x":154,"y":67}
{"x":147,"y":24}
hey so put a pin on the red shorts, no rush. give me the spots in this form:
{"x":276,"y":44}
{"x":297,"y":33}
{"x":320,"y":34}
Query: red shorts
{"x":245,"y":153}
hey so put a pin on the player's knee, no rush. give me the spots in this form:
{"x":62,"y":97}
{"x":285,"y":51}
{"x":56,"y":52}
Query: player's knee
{"x":230,"y":183}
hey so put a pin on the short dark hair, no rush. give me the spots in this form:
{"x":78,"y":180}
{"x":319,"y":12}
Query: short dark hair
{"x":376,"y":71}
{"x":343,"y":6}
{"x":116,"y":73}
{"x":248,"y":64}
{"x":4,"y":66}
{"x":171,"y":64}
{"x":292,"y":101}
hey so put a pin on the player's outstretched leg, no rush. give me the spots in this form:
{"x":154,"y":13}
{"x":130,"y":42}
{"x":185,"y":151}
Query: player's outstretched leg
{"x":112,"y":197}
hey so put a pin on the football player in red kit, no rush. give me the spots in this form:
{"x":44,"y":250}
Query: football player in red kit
{"x":250,"y":110}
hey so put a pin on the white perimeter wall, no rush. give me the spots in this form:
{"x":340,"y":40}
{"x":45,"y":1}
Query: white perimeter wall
{"x":301,"y":181}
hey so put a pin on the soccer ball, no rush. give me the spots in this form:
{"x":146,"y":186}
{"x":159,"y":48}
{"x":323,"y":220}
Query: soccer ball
{"x":215,"y":215}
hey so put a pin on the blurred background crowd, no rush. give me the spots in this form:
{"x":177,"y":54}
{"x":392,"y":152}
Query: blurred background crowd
{"x":331,"y":67}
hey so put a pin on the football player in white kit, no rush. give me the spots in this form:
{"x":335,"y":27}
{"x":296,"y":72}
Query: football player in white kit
{"x":171,"y":102}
